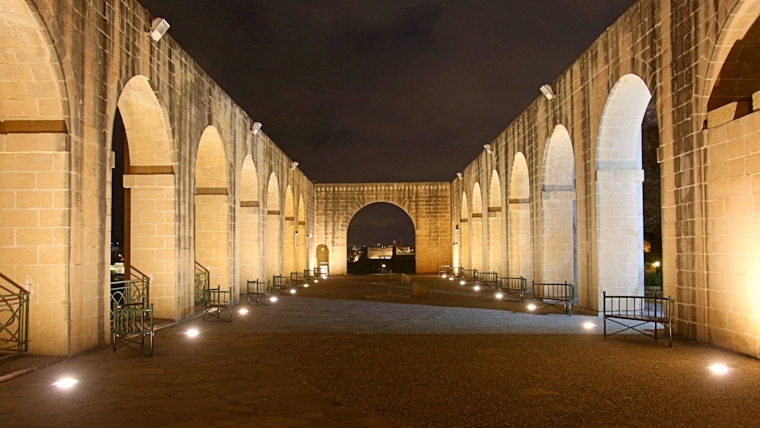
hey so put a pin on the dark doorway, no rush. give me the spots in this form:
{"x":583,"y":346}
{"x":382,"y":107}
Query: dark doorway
{"x":380,"y":238}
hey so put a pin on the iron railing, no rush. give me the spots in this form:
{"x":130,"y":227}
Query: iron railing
{"x":14,"y":318}
{"x":202,"y":281}
{"x":129,"y":291}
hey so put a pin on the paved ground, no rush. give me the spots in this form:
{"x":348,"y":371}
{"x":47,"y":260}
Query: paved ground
{"x":353,"y":352}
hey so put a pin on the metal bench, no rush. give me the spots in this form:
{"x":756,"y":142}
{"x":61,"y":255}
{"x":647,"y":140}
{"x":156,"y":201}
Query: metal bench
{"x":282,"y":285}
{"x":297,"y":280}
{"x":132,"y":327}
{"x":217,"y":303}
{"x":467,"y":276}
{"x":555,"y":295}
{"x":639,"y":311}
{"x":486,"y":279}
{"x":512,"y":285}
{"x":258,"y":292}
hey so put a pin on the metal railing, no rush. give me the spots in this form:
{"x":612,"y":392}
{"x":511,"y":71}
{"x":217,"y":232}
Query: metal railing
{"x":14,"y":318}
{"x":202,"y":281}
{"x":129,"y":291}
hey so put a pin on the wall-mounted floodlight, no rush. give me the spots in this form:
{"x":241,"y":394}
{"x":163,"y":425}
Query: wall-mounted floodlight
{"x":158,"y":28}
{"x":548,"y":92}
{"x":255,"y":127}
{"x":294,"y":165}
{"x":459,"y":175}
{"x":487,"y":147}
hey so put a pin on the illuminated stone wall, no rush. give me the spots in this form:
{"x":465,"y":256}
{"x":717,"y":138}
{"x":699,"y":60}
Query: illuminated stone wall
{"x":427,"y":204}
{"x":204,"y":188}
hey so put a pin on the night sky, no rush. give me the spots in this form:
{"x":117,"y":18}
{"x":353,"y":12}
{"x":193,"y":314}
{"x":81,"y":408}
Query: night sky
{"x":389,"y":90}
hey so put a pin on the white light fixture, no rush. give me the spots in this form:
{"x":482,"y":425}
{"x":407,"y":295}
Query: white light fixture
{"x":459,"y":175}
{"x":192,"y":333}
{"x":548,"y":92}
{"x":158,"y":28}
{"x":487,"y":147}
{"x":294,"y":165}
{"x":65,"y":383}
{"x":499,"y":295}
{"x":255,"y":127}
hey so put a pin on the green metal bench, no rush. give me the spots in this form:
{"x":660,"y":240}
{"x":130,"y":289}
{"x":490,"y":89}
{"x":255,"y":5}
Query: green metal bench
{"x":513,"y":285}
{"x":217,"y":303}
{"x":487,"y":279}
{"x":282,"y":285}
{"x":132,"y":327}
{"x":258,"y":292}
{"x":555,"y":295}
{"x":639,"y":311}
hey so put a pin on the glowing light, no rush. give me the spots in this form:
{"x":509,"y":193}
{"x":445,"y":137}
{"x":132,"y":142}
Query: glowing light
{"x":656,"y":264}
{"x":192,"y":332}
{"x":499,"y":295}
{"x":444,"y":276}
{"x":316,"y":281}
{"x":292,"y":291}
{"x":451,"y":278}
{"x":272,"y":299}
{"x":243,"y":311}
{"x":461,"y":282}
{"x":65,"y":383}
{"x":476,"y":288}
{"x":718,"y":369}
{"x":305,"y":285}
{"x":531,"y":307}
{"x":588,"y":325}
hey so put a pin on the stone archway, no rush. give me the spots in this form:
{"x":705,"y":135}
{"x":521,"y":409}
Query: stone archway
{"x":150,"y":218}
{"x":619,"y":177}
{"x":520,"y":236}
{"x":248,"y":221}
{"x":497,"y":260}
{"x":427,"y":204}
{"x":476,"y":229}
{"x":35,"y":148}
{"x":558,"y":240}
{"x":384,"y":235}
{"x":212,"y":209}
{"x":273,"y":236}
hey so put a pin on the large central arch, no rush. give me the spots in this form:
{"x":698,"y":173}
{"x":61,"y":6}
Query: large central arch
{"x":427,"y":204}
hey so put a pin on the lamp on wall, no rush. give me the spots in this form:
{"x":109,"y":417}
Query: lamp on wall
{"x":548,"y":92}
{"x":459,"y":175}
{"x":294,"y":165}
{"x":255,"y":127}
{"x":158,"y":28}
{"x":487,"y":147}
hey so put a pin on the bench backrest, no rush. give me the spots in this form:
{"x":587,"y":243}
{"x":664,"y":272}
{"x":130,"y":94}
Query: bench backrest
{"x":487,"y":277}
{"x":513,"y":283}
{"x":556,"y":291}
{"x":638,"y":306}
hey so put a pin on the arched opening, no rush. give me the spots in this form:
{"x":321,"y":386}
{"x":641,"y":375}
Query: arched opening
{"x":143,"y":189}
{"x":464,"y":234}
{"x":323,"y":259}
{"x":273,"y":235}
{"x":476,"y":229}
{"x":496,"y":257}
{"x":302,"y":241}
{"x":248,"y":223}
{"x":212,"y":210}
{"x":724,"y":309}
{"x":558,"y":240}
{"x":619,"y":199}
{"x":520,"y":236}
{"x":380,"y":235}
{"x":290,"y":234}
{"x":33,"y":131}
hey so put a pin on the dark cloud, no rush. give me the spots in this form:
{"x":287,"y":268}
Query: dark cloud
{"x":385,"y":90}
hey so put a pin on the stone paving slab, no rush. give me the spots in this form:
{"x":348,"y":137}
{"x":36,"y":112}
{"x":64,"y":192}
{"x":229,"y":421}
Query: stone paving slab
{"x":338,"y":355}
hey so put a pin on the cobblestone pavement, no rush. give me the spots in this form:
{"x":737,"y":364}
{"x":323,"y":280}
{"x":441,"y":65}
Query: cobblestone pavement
{"x":356,"y":352}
